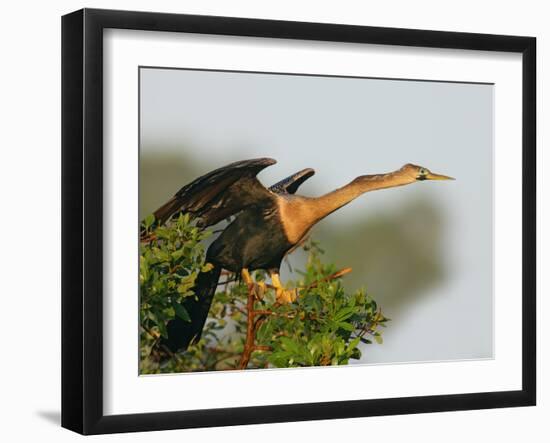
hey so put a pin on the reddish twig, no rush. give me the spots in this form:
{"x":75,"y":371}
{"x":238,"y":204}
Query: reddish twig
{"x":147,"y":237}
{"x":250,"y":329}
{"x":334,"y":276}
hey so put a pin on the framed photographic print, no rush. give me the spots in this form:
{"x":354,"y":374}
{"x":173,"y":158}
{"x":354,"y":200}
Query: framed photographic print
{"x":269,"y":221}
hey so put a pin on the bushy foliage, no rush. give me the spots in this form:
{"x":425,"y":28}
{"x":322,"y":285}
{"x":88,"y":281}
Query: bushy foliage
{"x":323,"y":326}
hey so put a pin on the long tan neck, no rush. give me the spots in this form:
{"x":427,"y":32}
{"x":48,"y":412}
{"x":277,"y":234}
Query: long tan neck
{"x":299,"y":214}
{"x":330,"y":202}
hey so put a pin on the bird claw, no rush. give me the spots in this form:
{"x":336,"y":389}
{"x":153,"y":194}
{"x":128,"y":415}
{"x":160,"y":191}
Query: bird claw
{"x":286,"y":296}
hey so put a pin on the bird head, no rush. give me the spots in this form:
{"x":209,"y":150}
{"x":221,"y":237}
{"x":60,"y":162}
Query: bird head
{"x":420,"y":173}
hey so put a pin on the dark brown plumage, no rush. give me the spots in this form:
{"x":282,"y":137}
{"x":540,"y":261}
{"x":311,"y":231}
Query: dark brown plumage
{"x":220,"y":193}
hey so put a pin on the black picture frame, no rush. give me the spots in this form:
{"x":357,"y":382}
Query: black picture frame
{"x":82,"y":218}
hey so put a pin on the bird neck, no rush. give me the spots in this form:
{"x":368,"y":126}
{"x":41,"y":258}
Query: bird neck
{"x":334,"y":200}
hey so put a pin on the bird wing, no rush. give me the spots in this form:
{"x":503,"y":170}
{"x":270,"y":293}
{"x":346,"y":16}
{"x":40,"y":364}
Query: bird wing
{"x":221,"y":193}
{"x":291,"y":184}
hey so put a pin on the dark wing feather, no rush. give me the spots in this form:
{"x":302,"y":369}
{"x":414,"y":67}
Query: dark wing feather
{"x":291,"y":184}
{"x":220,"y":193}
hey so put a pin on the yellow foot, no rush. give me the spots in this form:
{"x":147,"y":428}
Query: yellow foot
{"x":283,"y":296}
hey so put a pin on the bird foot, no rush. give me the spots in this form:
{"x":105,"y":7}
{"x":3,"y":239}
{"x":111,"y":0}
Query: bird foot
{"x":286,"y":296}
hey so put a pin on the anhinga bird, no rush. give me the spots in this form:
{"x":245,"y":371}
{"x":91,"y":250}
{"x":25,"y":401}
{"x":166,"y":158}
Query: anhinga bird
{"x":268,"y":224}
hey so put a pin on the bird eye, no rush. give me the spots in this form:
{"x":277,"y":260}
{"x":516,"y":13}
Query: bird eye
{"x":423,"y":171}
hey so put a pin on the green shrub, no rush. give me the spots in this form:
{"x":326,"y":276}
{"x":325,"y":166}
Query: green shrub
{"x":322,"y":327}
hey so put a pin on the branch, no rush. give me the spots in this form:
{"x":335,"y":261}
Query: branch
{"x":250,"y":329}
{"x":334,"y":276}
{"x":147,"y":237}
{"x":226,"y":282}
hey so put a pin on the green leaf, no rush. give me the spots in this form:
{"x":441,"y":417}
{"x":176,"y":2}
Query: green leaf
{"x":344,"y":314}
{"x":181,"y":312}
{"x":353,"y":344}
{"x":346,"y":326}
{"x":149,"y":220}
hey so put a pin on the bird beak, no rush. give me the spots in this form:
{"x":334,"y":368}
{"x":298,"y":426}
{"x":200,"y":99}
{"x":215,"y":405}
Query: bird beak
{"x":432,"y":176}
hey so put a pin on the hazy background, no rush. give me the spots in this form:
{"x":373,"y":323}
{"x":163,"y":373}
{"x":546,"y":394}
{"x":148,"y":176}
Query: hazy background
{"x":423,"y":251}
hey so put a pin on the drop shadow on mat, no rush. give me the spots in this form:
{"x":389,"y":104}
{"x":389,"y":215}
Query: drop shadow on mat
{"x":53,"y":417}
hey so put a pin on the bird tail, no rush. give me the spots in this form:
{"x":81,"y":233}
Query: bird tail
{"x":182,"y":333}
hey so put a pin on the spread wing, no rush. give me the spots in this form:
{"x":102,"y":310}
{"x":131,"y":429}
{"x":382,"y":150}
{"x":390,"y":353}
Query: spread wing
{"x":291,"y":184}
{"x":221,"y":193}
